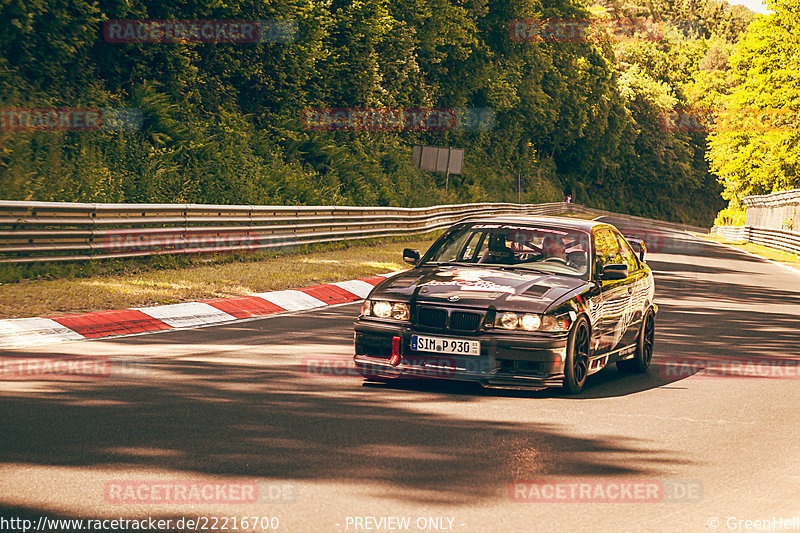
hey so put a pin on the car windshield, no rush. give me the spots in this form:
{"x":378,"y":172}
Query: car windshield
{"x":531,"y":247}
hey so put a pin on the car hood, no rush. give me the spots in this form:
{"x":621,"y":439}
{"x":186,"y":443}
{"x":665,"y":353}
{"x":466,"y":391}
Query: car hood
{"x":506,"y":289}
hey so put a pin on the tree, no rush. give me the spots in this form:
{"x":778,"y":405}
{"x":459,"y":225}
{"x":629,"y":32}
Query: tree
{"x":752,"y":154}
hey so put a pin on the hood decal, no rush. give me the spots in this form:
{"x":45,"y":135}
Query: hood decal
{"x":471,"y":280}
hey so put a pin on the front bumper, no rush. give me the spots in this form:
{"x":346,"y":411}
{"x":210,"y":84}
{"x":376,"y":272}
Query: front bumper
{"x":507,"y":359}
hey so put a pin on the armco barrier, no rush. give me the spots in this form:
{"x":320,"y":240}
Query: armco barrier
{"x":50,"y":231}
{"x":45,"y":231}
{"x":779,"y":210}
{"x":787,"y":241}
{"x":771,"y":220}
{"x":732,"y":233}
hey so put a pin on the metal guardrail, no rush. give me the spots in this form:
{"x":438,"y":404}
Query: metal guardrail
{"x":732,"y":233}
{"x":50,"y":231}
{"x":45,"y":231}
{"x":779,"y":210}
{"x":632,"y":218}
{"x":787,"y":241}
{"x":771,"y":220}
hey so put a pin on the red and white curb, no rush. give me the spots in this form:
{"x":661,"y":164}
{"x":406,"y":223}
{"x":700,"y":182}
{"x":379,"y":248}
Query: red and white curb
{"x":21,"y":332}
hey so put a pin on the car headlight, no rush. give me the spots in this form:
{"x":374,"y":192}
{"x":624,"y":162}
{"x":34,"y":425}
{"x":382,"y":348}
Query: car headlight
{"x":526,"y":321}
{"x":384,"y":309}
{"x":509,"y":320}
{"x":532,"y":322}
{"x":400,"y":311}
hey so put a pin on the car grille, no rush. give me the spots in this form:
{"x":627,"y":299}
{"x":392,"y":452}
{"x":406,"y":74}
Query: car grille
{"x":462,"y":321}
{"x":432,"y":318}
{"x":459,"y":320}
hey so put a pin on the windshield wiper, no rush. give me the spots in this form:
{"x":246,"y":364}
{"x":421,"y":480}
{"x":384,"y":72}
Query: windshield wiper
{"x":456,"y":263}
{"x":490,"y":265}
{"x":516,"y":267}
{"x":535,"y":269}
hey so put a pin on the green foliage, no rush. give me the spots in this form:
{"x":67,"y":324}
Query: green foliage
{"x":222,"y":121}
{"x":730,"y":216}
{"x":765,"y":73}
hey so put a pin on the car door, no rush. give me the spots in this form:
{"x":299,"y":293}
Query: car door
{"x":637,"y":291}
{"x":615,"y":295}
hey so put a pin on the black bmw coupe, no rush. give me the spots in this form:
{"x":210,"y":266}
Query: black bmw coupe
{"x":512,"y":302}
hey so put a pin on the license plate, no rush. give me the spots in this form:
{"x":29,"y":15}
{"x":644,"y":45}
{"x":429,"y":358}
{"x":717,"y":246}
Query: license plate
{"x":442,"y":345}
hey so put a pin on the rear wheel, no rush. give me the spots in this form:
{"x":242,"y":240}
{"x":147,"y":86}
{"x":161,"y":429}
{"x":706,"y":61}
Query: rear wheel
{"x":576,"y":365}
{"x":644,"y":346}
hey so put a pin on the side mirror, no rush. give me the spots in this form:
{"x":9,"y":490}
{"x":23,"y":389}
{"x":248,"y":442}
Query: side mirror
{"x":614,"y":271}
{"x":411,"y":256}
{"x":639,"y":247}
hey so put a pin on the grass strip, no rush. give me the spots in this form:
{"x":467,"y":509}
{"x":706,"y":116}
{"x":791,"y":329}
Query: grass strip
{"x":786,"y":258}
{"x":77,"y":288}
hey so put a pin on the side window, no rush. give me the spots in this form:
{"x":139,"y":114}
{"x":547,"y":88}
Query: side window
{"x":627,"y":254}
{"x":606,"y":248}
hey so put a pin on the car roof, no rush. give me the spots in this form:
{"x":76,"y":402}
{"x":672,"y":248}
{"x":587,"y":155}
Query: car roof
{"x":553,"y":222}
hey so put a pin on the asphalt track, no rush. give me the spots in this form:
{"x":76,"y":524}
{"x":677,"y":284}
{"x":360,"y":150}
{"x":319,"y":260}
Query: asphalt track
{"x":271,"y":401}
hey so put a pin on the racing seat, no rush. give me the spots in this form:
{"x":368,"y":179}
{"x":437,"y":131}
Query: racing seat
{"x":497,"y":251}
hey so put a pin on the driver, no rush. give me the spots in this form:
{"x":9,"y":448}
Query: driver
{"x":554,"y":247}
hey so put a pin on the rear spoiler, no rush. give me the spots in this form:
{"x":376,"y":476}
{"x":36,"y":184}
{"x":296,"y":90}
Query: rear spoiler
{"x":638,"y":246}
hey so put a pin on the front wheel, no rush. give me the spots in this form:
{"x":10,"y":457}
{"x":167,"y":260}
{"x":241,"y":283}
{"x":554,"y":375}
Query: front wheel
{"x":644,"y":346}
{"x":576,"y":365}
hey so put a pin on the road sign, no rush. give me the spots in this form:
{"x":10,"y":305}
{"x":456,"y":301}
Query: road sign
{"x":438,"y":159}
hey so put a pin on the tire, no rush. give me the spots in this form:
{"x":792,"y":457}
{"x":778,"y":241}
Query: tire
{"x":576,"y":364}
{"x":644,"y":347}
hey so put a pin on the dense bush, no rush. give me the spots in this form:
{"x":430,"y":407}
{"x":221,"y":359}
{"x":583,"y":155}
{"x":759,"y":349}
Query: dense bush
{"x":222,"y":121}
